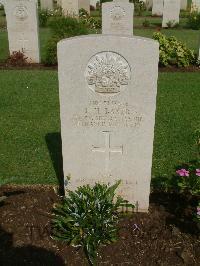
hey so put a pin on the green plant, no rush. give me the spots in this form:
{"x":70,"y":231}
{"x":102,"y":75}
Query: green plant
{"x":90,"y":22}
{"x":140,"y":6}
{"x":172,"y":24}
{"x":88,"y":217}
{"x":62,"y":27}
{"x":146,"y":23}
{"x":174,"y":52}
{"x":193,"y":20}
{"x":17,"y":58}
{"x":44,"y":15}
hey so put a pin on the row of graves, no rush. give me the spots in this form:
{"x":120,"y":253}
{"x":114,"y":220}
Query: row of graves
{"x":117,"y":18}
{"x":170,"y":9}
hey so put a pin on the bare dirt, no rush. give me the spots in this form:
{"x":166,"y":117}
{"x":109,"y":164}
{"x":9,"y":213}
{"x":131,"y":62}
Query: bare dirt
{"x":165,"y":236}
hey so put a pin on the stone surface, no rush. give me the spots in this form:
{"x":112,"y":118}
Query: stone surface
{"x":22,"y":26}
{"x":85,"y":4}
{"x":171,"y":12}
{"x":195,"y":5}
{"x":157,"y":9}
{"x":107,"y":88}
{"x":183,"y":4}
{"x":149,"y":3}
{"x":70,"y":7}
{"x":93,"y":3}
{"x":117,"y":18}
{"x":46,"y":4}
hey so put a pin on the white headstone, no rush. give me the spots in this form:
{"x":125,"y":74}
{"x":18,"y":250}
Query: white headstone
{"x":108,"y":88}
{"x":117,"y":18}
{"x":149,"y":4}
{"x":70,"y":7}
{"x":183,"y":4}
{"x":22,"y":25}
{"x":93,"y":3}
{"x":195,"y":6}
{"x":171,"y":12}
{"x":85,"y":4}
{"x":157,"y":9}
{"x":46,"y":4}
{"x":59,"y":3}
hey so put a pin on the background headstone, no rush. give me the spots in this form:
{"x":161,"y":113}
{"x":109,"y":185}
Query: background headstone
{"x":22,"y":26}
{"x":117,"y":18}
{"x":70,"y":7}
{"x":183,"y":4}
{"x":108,"y":99}
{"x":171,"y":12}
{"x":157,"y":9}
{"x":195,"y":6}
{"x":46,"y":4}
{"x":149,"y":4}
{"x":93,"y":3}
{"x":85,"y":4}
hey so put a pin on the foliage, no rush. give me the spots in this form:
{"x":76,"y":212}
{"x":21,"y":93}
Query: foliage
{"x":193,"y":20}
{"x":44,"y":15}
{"x":88,"y":217}
{"x":139,"y":6}
{"x":188,"y":178}
{"x":172,"y":24}
{"x":62,"y":27}
{"x":90,"y":22}
{"x":174,"y":52}
{"x":146,"y":23}
{"x":17,"y":58}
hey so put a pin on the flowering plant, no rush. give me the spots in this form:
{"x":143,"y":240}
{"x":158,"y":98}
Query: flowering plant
{"x":188,"y":178}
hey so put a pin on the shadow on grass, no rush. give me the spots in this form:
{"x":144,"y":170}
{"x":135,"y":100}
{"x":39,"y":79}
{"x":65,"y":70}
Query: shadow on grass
{"x":54,"y":144}
{"x":26,"y":255}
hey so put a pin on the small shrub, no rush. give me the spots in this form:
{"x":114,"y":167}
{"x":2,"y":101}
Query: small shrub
{"x":88,"y":217}
{"x":44,"y":15}
{"x":139,"y":6}
{"x":146,"y":23}
{"x":62,"y":27}
{"x":17,"y":58}
{"x":174,"y":52}
{"x":172,"y":24}
{"x":193,"y":20}
{"x":88,"y":21}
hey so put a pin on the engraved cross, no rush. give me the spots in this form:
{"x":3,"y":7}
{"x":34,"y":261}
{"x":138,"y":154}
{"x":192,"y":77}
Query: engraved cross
{"x":107,"y":149}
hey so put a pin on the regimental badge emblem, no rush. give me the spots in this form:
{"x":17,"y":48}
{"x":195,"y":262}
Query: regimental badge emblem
{"x":21,"y":12}
{"x":108,"y":72}
{"x":117,"y":13}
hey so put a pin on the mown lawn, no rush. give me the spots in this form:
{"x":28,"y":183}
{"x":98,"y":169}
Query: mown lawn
{"x":30,"y":125}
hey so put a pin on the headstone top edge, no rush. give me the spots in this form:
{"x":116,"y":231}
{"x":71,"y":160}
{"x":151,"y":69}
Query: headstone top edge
{"x":106,"y":36}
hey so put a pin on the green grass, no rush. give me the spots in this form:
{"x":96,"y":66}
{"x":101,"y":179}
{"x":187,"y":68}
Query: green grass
{"x":29,"y":123}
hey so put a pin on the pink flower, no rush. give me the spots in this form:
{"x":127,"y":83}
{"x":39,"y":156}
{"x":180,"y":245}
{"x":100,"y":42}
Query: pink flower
{"x":182,"y":172}
{"x":198,"y":172}
{"x":198,"y":211}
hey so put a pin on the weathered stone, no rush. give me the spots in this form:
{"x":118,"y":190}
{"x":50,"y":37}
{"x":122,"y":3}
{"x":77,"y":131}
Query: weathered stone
{"x":117,"y":18}
{"x":157,"y":9}
{"x":22,"y":25}
{"x":171,"y":12}
{"x":108,"y":88}
{"x":46,"y":4}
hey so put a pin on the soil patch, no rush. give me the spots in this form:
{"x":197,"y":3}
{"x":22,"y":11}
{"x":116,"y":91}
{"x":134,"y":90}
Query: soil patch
{"x":164,"y":236}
